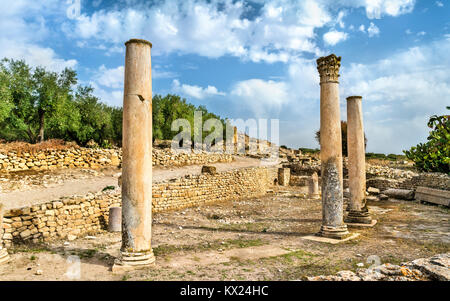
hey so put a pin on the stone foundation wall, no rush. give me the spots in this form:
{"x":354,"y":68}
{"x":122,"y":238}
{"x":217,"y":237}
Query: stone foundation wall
{"x":95,"y":158}
{"x":89,"y":214}
{"x":299,"y":180}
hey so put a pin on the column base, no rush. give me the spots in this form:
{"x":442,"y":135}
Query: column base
{"x":340,"y":232}
{"x":358,"y":217}
{"x":133,"y":260}
{"x":4,"y":256}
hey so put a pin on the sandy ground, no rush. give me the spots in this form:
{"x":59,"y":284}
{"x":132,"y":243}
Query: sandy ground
{"x":250,"y":239}
{"x":25,"y":188}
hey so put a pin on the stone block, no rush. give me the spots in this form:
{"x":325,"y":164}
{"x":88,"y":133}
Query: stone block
{"x":435,"y":196}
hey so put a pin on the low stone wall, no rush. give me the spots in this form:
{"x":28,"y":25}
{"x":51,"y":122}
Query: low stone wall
{"x":194,"y":190}
{"x":88,"y":214}
{"x":431,"y":180}
{"x":95,"y":158}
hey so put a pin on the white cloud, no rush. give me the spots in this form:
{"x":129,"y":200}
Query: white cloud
{"x":375,"y":9}
{"x":23,"y":30}
{"x":333,"y":37}
{"x":400,"y":93}
{"x":340,"y":18}
{"x":439,"y":3}
{"x":283,"y":29}
{"x":195,"y":91}
{"x":362,"y":28}
{"x":261,"y":96}
{"x":110,"y":78}
{"x":34,"y":55}
{"x":373,"y":30}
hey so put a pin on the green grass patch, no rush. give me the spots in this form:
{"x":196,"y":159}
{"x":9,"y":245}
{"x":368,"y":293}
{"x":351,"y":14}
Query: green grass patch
{"x":164,"y":250}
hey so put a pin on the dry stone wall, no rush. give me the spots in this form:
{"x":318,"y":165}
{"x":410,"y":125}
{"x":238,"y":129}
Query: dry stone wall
{"x":78,"y":216}
{"x":95,"y":158}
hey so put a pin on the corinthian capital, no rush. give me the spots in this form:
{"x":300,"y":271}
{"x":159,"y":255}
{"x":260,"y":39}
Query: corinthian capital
{"x":328,"y":68}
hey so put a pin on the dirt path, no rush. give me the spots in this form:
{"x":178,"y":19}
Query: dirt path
{"x":69,"y":187}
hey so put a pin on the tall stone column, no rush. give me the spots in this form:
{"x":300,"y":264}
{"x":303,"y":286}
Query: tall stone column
{"x":137,"y":157}
{"x":331,"y":149}
{"x":4,"y":257}
{"x":357,"y":209}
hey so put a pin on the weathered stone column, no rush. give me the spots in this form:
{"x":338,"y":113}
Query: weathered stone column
{"x":137,"y":156}
{"x":4,"y":257}
{"x":357,"y":209}
{"x":331,"y":149}
{"x":313,"y":186}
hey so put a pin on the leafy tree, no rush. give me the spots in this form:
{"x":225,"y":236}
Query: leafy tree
{"x":344,"y":138}
{"x":171,"y":107}
{"x":19,"y":124}
{"x":52,"y":92}
{"x":434,"y":155}
{"x":36,"y":95}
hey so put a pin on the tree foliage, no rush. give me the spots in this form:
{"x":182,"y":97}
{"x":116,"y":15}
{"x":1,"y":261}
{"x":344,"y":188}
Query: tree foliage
{"x":434,"y":155}
{"x":37,"y":104}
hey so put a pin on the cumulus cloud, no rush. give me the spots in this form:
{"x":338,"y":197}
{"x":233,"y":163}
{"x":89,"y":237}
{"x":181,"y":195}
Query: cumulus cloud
{"x":333,"y":37}
{"x":195,"y":91}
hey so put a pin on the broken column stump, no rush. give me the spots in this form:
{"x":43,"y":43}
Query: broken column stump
{"x":313,"y":186}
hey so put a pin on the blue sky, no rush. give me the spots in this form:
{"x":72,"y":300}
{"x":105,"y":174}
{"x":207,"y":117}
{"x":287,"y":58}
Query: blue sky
{"x":255,"y":59}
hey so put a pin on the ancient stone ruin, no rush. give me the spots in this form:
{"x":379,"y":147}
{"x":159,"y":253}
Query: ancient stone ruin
{"x":344,"y":186}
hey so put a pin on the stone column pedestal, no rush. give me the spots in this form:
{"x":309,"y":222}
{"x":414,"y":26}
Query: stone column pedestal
{"x":136,"y":248}
{"x":357,"y":209}
{"x":313,"y":187}
{"x":4,"y":256}
{"x":331,"y":149}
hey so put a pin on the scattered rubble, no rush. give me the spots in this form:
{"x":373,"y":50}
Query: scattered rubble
{"x":433,"y":268}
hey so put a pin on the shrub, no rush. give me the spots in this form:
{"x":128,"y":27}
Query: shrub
{"x":434,"y":155}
